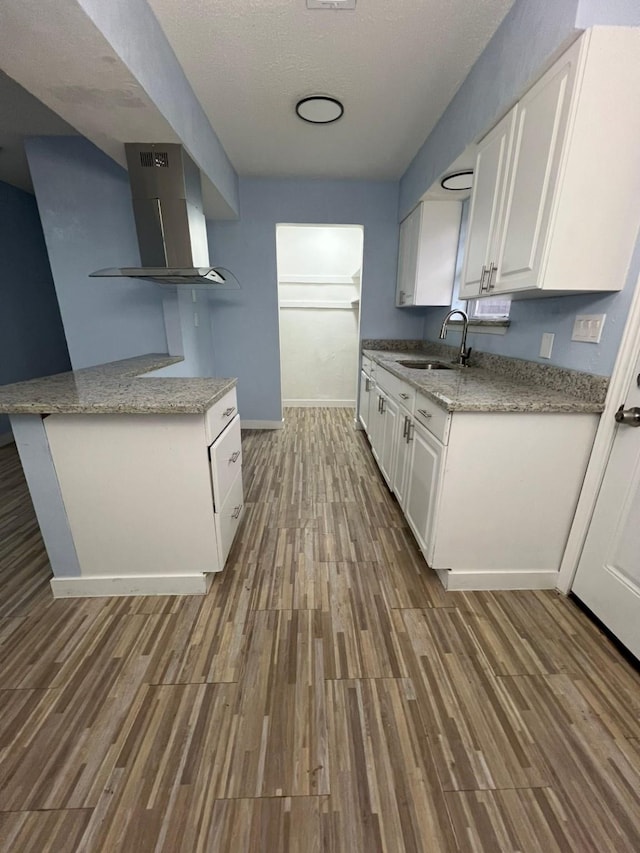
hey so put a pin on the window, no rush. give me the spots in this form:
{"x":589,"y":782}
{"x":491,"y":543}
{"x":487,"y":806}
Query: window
{"x":489,"y":308}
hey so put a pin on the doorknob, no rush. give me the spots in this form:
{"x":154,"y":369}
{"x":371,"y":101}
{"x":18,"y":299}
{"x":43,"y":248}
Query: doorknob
{"x":630,"y":417}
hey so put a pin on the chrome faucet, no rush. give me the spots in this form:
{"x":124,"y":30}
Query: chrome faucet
{"x":463,"y":355}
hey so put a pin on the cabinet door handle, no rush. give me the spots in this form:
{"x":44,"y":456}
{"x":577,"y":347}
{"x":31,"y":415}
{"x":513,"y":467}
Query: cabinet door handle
{"x":491,"y":281}
{"x":404,"y":396}
{"x":404,"y":431}
{"x":236,"y":512}
{"x":425,"y":413}
{"x":410,"y":428}
{"x":235,"y":456}
{"x":228,"y":411}
{"x":482,"y":278}
{"x":401,"y":300}
{"x":382,"y":402}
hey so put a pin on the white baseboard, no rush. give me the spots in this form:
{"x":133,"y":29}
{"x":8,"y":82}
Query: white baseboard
{"x":6,"y":438}
{"x":261,"y":424}
{"x":454,"y":580}
{"x":334,"y":404}
{"x":88,"y":587}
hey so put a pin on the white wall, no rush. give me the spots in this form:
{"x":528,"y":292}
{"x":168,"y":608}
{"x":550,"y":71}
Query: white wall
{"x":319,"y":345}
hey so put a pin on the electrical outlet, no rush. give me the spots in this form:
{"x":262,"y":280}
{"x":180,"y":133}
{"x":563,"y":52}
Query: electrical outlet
{"x":588,"y":328}
{"x":546,"y":345}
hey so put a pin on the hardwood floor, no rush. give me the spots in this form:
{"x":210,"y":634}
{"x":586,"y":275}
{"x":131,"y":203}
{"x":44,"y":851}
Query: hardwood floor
{"x":326,"y":696}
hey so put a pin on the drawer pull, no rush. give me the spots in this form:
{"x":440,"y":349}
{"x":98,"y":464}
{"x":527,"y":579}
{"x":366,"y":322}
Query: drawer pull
{"x":404,"y":396}
{"x":228,"y":411}
{"x":236,"y":512}
{"x":367,"y":384}
{"x":484,"y":272}
{"x":425,"y":413}
{"x":491,"y":281}
{"x":235,"y":456}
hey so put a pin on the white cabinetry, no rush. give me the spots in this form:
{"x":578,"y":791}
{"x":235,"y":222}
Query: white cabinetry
{"x":366,"y":394}
{"x":548,"y":216}
{"x":485,"y":214}
{"x":427,"y":254}
{"x":489,"y":496}
{"x":153,"y":501}
{"x":421,"y":490}
{"x":364,"y":399}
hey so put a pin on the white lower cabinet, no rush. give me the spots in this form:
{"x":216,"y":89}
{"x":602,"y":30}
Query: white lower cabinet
{"x":364,"y":399}
{"x":489,"y":496}
{"x":153,"y":501}
{"x":421,"y":490}
{"x":387,"y":457}
{"x":403,"y":457}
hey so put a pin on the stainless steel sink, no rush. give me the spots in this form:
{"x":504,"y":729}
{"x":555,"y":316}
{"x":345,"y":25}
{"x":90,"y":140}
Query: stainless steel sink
{"x":426,"y":365}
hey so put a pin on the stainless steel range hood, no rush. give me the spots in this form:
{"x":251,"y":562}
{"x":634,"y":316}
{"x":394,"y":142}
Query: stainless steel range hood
{"x":170,"y":223}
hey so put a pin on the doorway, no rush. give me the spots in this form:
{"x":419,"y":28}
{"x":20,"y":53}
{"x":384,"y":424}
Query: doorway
{"x":319,"y":293}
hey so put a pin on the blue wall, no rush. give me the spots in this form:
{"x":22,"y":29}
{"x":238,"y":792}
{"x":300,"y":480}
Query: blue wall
{"x":530,"y":36}
{"x":135,"y":34}
{"x":245,"y":322}
{"x":617,"y":12}
{"x":32,"y":341}
{"x":87,"y":218}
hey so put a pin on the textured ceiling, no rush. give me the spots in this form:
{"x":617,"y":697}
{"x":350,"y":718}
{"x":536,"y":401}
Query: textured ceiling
{"x":22,"y":115}
{"x":394,"y":65}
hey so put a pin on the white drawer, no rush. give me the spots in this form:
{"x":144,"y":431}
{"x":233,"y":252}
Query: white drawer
{"x":220,"y":414}
{"x":226,"y":460}
{"x":228,"y":519}
{"x":401,"y":391}
{"x":436,"y":419}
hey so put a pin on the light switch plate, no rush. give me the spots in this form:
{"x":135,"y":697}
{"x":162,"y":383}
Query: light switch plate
{"x":588,"y":328}
{"x":546,"y":345}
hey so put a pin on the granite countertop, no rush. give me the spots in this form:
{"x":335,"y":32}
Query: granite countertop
{"x":496,"y":386}
{"x":117,"y":387}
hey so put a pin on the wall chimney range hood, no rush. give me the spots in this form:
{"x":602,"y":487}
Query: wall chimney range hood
{"x":170,"y":223}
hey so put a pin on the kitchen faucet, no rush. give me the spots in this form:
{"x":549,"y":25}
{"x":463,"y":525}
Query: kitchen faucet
{"x":463,"y":355}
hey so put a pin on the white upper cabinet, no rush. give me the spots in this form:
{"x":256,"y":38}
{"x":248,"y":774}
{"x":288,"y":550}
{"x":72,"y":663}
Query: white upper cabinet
{"x":427,"y":254}
{"x":563,"y":215}
{"x":485,"y":215}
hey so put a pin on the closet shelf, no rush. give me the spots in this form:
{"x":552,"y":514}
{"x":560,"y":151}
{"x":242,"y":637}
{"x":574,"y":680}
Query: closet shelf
{"x":319,"y":303}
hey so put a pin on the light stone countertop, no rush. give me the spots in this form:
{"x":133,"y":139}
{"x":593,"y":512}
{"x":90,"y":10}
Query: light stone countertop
{"x":119,"y":387}
{"x":481,"y":389}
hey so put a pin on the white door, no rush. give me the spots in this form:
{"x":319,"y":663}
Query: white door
{"x":422,"y":484}
{"x":365,"y":396}
{"x":489,"y":181}
{"x":403,"y":455}
{"x":608,"y":576}
{"x":408,"y":257}
{"x":376,"y":422}
{"x":388,"y":458}
{"x":540,"y":130}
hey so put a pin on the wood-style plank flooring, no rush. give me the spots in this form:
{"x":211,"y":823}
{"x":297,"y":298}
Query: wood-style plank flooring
{"x":326,"y":695}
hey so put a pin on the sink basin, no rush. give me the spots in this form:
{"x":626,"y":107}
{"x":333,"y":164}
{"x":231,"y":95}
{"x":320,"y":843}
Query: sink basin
{"x":426,"y":365}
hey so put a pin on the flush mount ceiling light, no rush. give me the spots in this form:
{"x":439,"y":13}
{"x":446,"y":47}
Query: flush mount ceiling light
{"x":319,"y":109}
{"x":461,"y":180}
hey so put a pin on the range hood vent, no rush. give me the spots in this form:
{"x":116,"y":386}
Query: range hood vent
{"x":170,"y":222}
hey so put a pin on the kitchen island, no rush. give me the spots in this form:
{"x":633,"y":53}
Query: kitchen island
{"x":136,"y":479}
{"x":486,"y":462}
